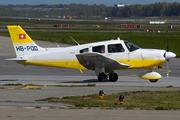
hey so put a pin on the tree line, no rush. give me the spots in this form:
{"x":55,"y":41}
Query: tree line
{"x":160,"y":9}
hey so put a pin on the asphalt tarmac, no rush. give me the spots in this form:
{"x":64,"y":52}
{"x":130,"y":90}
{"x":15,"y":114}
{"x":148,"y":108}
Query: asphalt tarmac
{"x":13,"y":97}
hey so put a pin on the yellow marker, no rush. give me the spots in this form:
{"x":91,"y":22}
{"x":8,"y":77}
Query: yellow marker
{"x":121,"y":99}
{"x":101,"y":94}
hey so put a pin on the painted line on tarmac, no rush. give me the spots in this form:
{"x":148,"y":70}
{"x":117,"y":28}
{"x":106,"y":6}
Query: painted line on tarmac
{"x":11,"y":53}
{"x":32,"y":86}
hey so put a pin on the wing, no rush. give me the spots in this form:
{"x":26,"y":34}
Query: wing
{"x":93,"y":60}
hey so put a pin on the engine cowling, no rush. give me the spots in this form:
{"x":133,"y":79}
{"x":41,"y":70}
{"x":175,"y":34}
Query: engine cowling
{"x":150,"y":75}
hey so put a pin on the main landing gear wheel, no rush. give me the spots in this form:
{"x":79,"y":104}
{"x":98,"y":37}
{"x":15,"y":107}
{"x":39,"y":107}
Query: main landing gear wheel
{"x":153,"y":80}
{"x":113,"y":77}
{"x":102,"y":77}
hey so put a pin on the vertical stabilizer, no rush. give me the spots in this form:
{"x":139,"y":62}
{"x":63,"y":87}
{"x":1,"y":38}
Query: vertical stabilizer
{"x":22,"y":43}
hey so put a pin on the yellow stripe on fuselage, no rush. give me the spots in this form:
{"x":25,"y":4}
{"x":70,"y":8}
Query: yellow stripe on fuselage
{"x":138,"y":63}
{"x":134,"y":63}
{"x":152,"y":63}
{"x":72,"y":63}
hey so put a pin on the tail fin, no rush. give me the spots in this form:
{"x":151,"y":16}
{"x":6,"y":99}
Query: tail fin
{"x":22,"y":43}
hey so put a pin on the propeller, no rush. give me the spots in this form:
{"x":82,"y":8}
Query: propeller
{"x":168,"y":55}
{"x":167,"y":60}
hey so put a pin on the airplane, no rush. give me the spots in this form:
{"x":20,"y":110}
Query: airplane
{"x":102,"y":57}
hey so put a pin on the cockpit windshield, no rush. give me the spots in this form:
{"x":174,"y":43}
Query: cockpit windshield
{"x":131,"y":47}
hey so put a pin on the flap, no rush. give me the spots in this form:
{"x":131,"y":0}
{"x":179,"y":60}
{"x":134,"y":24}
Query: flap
{"x":93,"y":60}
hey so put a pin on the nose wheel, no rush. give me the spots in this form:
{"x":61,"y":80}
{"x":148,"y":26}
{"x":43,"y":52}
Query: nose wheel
{"x":153,"y":80}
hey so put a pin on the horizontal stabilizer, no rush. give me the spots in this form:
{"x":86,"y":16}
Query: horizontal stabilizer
{"x":16,"y":59}
{"x":93,"y":60}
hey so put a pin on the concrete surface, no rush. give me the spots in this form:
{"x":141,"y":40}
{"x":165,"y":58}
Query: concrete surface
{"x":13,"y":97}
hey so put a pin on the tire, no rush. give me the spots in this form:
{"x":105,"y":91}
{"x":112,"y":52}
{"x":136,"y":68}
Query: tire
{"x":102,"y":77}
{"x":153,"y":80}
{"x":113,"y":78}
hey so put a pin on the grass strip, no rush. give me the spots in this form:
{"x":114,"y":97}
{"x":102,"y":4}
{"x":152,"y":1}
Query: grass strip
{"x":148,"y":100}
{"x":144,"y":40}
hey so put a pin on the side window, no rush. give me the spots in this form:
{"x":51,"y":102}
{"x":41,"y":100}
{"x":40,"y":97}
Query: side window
{"x":100,"y":49}
{"x":84,"y":50}
{"x":114,"y":48}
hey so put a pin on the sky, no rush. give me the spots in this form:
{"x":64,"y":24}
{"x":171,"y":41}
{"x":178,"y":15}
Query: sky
{"x":89,"y":2}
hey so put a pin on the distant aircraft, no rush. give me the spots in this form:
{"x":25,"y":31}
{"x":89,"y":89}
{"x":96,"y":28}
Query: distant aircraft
{"x":102,"y":57}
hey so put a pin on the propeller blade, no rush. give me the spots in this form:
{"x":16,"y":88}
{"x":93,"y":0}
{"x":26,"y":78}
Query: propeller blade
{"x":167,"y":60}
{"x":168,"y":55}
{"x":167,"y":66}
{"x":168,"y":44}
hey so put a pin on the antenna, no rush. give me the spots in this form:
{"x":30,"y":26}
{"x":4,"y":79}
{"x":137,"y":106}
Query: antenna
{"x":57,"y":44}
{"x":74,"y":40}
